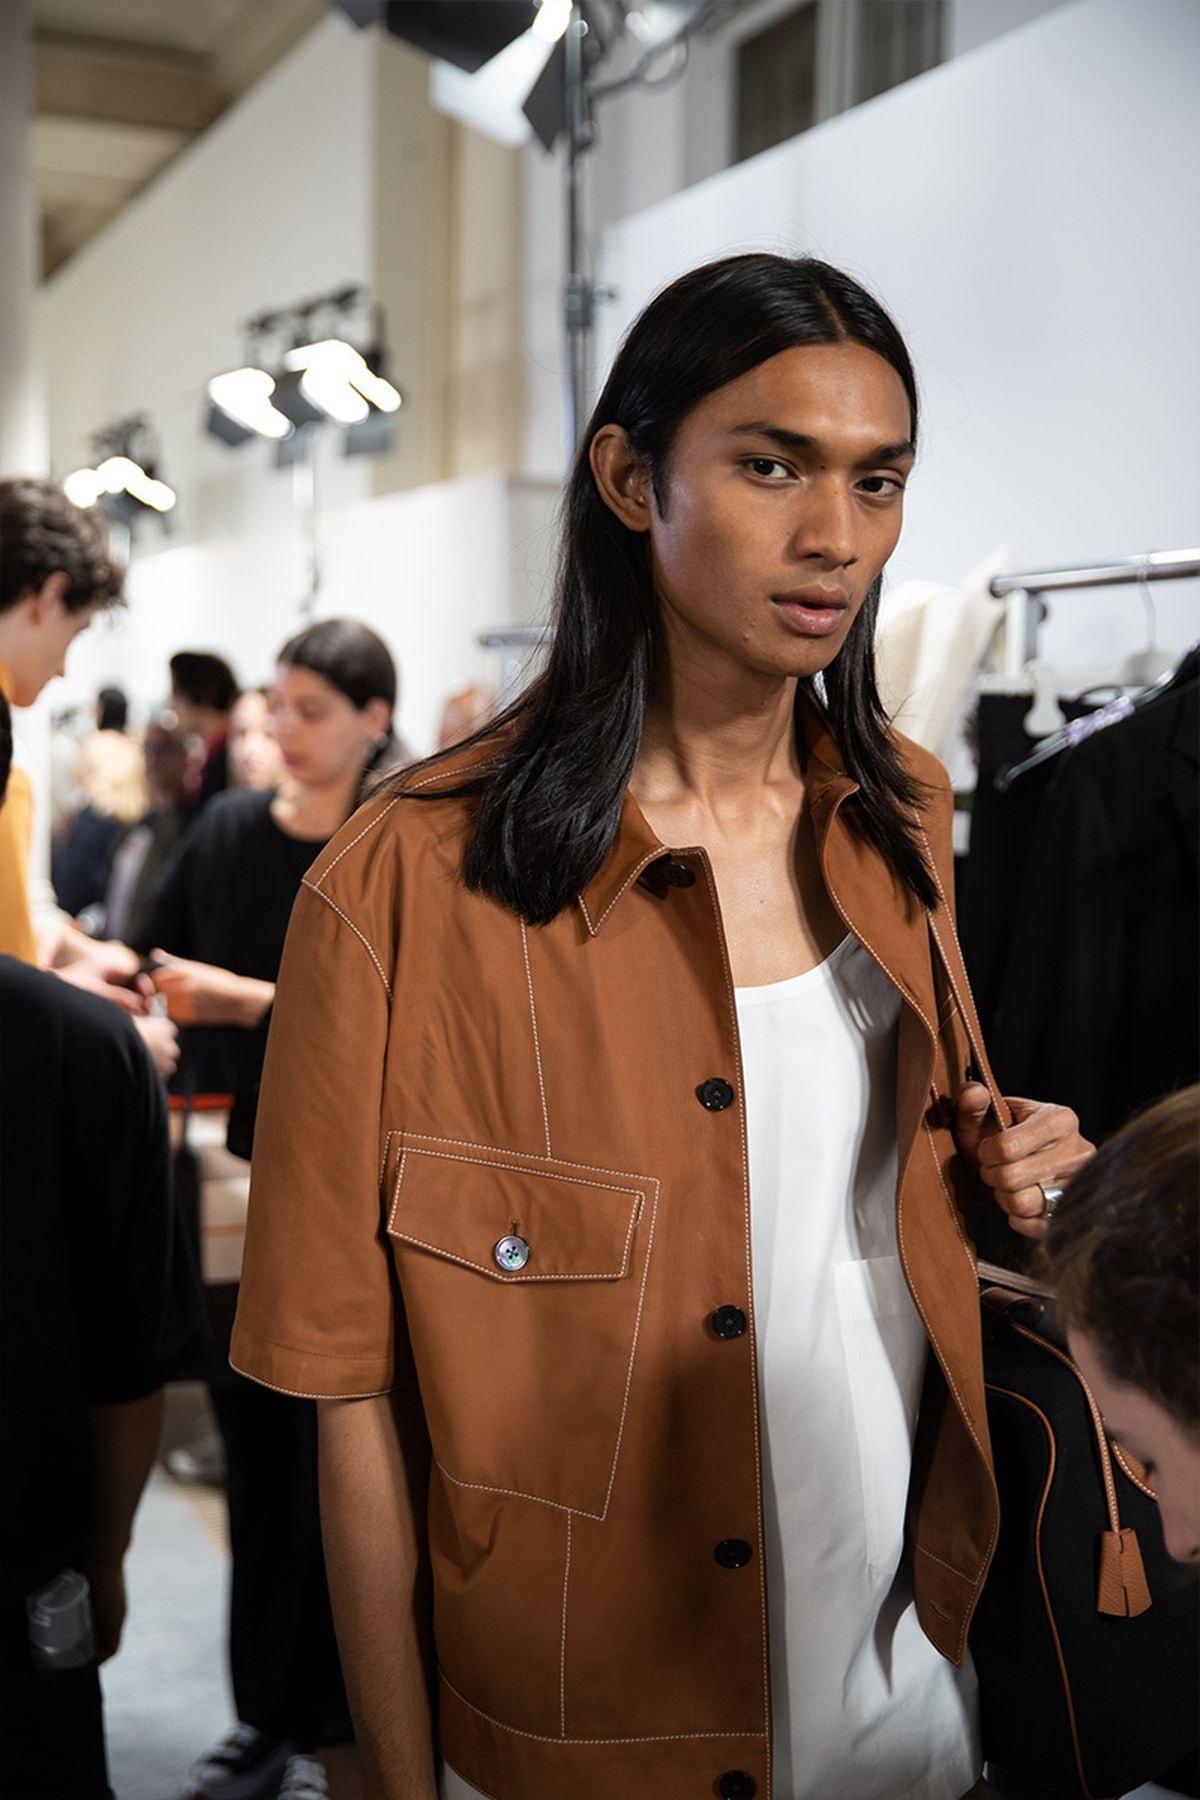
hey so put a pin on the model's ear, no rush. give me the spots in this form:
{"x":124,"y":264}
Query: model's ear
{"x":50,"y":596}
{"x":621,"y":476}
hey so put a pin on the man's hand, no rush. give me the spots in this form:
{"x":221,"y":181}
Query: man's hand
{"x":1042,"y":1148}
{"x":161,"y":1038}
{"x":107,"y":1582}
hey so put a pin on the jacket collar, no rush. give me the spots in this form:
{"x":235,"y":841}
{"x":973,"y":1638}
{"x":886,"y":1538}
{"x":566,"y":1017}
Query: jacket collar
{"x":636,"y":846}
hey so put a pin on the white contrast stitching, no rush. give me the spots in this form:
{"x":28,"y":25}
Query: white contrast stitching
{"x":396,"y":1189}
{"x":371,"y":1394}
{"x":906,"y":1265}
{"x":476,"y":1162}
{"x":524,"y":1156}
{"x":387,"y":1145}
{"x":972,"y":1581}
{"x":762,"y":1577}
{"x":538,"y":1737}
{"x":937,"y":1163}
{"x":486,"y":1487}
{"x":537,"y":1047}
{"x":364,"y":941}
{"x":347,"y":848}
{"x":637,"y":1326}
{"x":562,"y":1660}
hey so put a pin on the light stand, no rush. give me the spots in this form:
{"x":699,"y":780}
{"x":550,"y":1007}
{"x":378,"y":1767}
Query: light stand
{"x":579,"y":291}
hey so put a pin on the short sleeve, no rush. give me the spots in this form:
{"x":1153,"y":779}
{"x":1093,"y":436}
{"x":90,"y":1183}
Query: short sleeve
{"x":316,"y":1312}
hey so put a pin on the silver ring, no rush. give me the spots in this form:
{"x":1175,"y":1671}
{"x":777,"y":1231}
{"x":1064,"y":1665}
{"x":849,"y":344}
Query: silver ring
{"x":1051,"y":1196}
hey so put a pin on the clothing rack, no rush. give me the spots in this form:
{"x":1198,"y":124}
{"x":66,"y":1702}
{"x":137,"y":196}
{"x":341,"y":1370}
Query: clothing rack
{"x":1023,"y":588}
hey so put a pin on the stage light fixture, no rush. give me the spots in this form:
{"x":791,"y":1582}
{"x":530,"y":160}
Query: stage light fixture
{"x":120,"y":482}
{"x":340,"y":380}
{"x":245,"y":405}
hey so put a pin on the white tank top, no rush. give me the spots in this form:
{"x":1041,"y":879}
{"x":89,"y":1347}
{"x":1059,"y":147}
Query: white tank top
{"x":864,"y":1708}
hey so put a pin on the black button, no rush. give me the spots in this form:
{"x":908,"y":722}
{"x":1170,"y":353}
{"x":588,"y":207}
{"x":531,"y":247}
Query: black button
{"x":715,"y":1095}
{"x":678,"y":873}
{"x":728,"y":1321}
{"x":735,"y":1784}
{"x":733,"y":1553}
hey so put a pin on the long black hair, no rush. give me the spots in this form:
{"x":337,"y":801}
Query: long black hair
{"x":355,"y":660}
{"x":549,"y":801}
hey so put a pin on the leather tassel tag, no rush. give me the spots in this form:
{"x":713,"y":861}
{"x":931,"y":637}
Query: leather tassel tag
{"x":1121,"y":1588}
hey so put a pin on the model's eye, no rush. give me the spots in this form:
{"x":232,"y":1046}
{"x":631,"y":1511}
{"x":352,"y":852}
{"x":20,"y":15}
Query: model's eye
{"x":769,"y":467}
{"x":881,"y":487}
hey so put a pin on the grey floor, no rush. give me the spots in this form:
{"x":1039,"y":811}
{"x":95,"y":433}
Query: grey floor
{"x":166,"y":1695}
{"x":166,"y":1691}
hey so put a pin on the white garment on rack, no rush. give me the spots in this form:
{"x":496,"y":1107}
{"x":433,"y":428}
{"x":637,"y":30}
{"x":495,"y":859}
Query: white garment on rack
{"x":929,"y":645}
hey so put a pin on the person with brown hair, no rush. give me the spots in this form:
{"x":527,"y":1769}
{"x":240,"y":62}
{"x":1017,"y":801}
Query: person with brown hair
{"x":1122,"y":1252}
{"x":56,"y":575}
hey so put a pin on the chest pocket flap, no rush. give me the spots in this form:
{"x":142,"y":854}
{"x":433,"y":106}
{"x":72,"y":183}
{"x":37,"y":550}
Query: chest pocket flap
{"x":525,"y":1361}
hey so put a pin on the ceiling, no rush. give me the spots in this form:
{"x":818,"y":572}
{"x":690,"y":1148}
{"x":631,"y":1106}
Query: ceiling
{"x":122,"y":86}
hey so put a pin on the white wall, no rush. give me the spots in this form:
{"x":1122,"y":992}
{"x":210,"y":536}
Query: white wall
{"x":270,"y":206}
{"x":1028,"y":214}
{"x":428,"y":569}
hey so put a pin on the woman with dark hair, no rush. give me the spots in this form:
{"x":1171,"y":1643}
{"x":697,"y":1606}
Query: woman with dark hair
{"x":617,"y":1152}
{"x":216,"y":936}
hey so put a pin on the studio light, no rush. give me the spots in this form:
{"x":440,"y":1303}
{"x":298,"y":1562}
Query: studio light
{"x":243,"y":406}
{"x":339,"y":380}
{"x":314,"y":375}
{"x":123,"y":483}
{"x":551,"y":20}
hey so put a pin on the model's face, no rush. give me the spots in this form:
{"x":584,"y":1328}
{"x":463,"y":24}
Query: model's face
{"x":784,"y":499}
{"x":322,"y":736}
{"x":254,"y":758}
{"x":41,"y":651}
{"x":1170,"y":1455}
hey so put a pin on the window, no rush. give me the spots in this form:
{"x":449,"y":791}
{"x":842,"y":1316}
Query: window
{"x":822,"y":57}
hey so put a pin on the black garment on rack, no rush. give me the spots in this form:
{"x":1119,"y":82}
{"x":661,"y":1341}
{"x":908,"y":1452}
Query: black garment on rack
{"x":1098,"y":1004}
{"x":1002,"y":832}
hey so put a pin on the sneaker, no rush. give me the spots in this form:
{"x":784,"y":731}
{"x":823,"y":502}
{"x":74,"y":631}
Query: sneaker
{"x":200,"y":1463}
{"x":245,"y":1765}
{"x":303,"y":1779}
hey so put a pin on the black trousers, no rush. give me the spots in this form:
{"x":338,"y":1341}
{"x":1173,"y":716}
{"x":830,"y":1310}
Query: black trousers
{"x":287,"y":1678}
{"x":51,"y":1726}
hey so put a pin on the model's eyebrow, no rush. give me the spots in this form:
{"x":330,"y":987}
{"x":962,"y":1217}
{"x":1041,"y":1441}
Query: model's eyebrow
{"x":799,"y":444}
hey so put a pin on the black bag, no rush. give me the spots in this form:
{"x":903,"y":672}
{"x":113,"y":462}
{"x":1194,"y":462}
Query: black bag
{"x":1086,"y":1640}
{"x":1074,"y":1698}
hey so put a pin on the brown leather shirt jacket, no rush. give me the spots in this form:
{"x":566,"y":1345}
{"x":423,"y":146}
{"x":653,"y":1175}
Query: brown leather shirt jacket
{"x":439,"y":1078}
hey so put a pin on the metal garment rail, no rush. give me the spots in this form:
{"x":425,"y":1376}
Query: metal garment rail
{"x":1022,"y":589}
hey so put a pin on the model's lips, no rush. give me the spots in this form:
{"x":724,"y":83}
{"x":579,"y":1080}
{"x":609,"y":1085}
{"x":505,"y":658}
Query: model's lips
{"x":812,"y":611}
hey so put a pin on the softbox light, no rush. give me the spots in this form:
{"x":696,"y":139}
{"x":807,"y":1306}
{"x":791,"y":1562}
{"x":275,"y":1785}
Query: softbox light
{"x":467,"y":33}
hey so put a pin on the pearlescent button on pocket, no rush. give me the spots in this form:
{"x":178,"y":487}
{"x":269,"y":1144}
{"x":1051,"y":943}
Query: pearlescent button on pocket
{"x":511,"y":1254}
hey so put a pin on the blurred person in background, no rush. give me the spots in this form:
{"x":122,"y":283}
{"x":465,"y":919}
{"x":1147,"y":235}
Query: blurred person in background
{"x":254,"y":759}
{"x":143,"y":858}
{"x":203,"y":690}
{"x":55,"y":576}
{"x":1123,"y":1255}
{"x":111,"y":784}
{"x":216,"y":937}
{"x":99,"y":1306}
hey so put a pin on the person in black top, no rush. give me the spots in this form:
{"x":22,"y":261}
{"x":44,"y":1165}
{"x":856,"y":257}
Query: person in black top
{"x":216,"y":939}
{"x":99,"y":1306}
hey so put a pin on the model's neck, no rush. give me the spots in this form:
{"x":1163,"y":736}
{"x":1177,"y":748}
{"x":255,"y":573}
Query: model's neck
{"x":705,"y":744}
